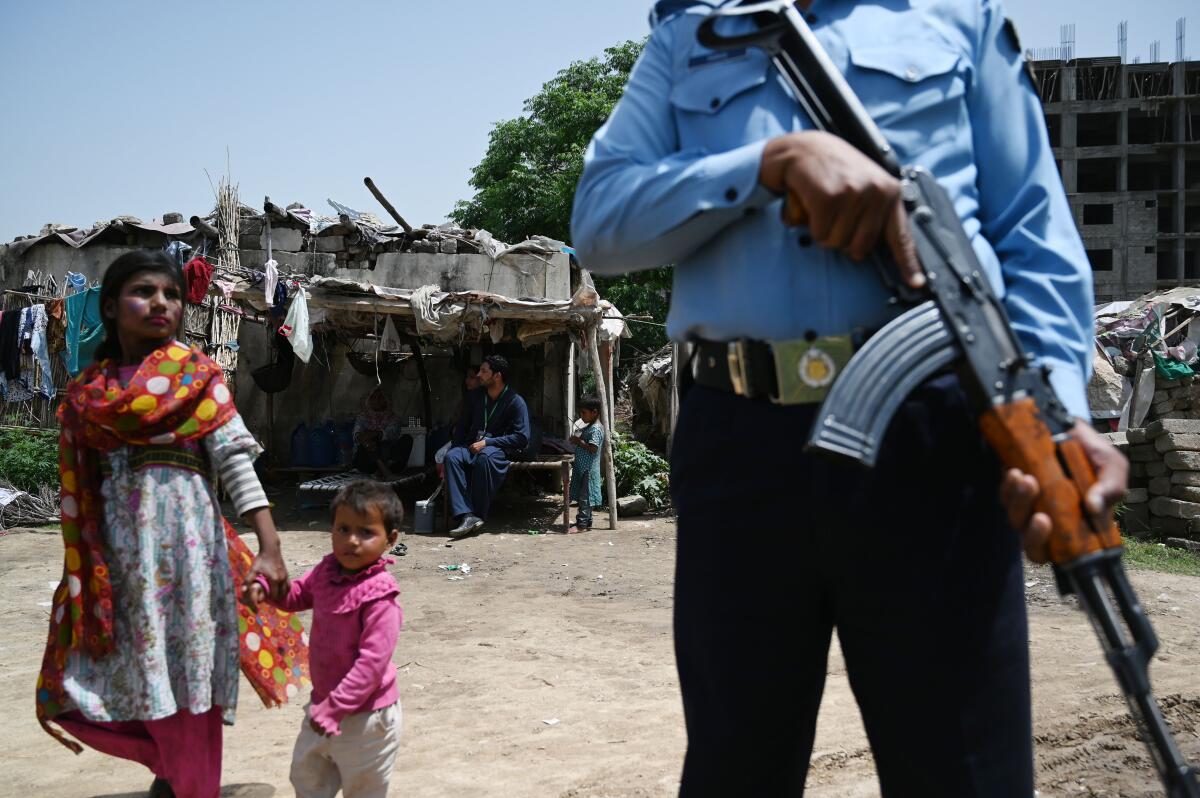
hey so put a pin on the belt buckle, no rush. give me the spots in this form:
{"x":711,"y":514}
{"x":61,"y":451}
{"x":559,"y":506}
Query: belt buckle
{"x":735,"y":356}
{"x":805,"y":370}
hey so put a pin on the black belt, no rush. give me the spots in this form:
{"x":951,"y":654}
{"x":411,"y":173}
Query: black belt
{"x":753,"y":368}
{"x":786,"y":372}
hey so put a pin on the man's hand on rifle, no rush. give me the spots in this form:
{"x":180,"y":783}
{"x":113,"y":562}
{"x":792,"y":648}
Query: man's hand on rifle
{"x":846,"y":199}
{"x":1019,"y":492}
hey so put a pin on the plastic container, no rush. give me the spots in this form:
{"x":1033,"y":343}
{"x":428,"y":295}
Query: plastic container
{"x":322,"y":445}
{"x":423,"y":516}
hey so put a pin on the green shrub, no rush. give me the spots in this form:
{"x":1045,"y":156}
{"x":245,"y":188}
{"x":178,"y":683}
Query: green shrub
{"x":29,"y":458}
{"x":640,"y":471}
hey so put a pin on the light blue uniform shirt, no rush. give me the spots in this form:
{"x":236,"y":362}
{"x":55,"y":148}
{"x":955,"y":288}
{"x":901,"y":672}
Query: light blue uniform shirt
{"x":672,"y":178}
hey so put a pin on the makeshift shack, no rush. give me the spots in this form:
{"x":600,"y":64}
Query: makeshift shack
{"x":308,"y":313}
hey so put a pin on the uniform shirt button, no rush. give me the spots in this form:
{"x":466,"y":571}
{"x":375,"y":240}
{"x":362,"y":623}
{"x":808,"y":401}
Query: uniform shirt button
{"x":805,"y":240}
{"x":716,"y":103}
{"x":910,"y":73}
{"x":731,"y":194}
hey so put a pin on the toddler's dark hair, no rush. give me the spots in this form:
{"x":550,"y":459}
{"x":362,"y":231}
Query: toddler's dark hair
{"x":363,"y":495}
{"x":590,"y":403}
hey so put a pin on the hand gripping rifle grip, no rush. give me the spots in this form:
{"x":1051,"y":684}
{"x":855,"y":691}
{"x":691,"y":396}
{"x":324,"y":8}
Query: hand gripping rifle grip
{"x":1022,"y":440}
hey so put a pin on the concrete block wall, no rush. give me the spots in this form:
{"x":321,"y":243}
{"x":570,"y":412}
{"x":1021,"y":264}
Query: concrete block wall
{"x":1164,"y":468}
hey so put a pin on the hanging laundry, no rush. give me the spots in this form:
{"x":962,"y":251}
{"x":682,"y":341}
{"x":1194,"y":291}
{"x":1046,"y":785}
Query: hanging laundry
{"x":226,"y":287}
{"x":76,"y":282}
{"x":56,"y":325}
{"x":296,"y":326}
{"x":279,"y":304}
{"x":85,"y":329}
{"x":26,"y":331}
{"x":15,"y":390}
{"x":10,"y":344}
{"x":178,"y":250}
{"x":38,"y":345}
{"x":270,"y":280}
{"x":198,"y":273}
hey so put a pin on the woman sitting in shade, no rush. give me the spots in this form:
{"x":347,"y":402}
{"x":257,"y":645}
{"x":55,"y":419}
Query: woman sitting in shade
{"x":379,"y":446}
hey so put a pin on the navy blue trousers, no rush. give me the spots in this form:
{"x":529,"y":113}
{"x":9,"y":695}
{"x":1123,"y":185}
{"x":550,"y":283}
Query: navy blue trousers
{"x":473,"y":479}
{"x":913,"y":563}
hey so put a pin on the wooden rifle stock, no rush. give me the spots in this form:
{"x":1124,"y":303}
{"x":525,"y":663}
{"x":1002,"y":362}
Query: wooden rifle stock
{"x":1022,"y":440}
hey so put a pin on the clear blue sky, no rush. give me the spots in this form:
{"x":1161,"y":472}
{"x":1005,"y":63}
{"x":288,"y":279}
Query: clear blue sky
{"x":119,"y":107}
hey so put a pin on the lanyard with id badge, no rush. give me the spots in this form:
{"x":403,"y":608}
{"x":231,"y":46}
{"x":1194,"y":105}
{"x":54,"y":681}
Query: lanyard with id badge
{"x":487,"y":414}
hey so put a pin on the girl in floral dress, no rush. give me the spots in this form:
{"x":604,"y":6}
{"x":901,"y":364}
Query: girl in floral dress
{"x":143,"y":654}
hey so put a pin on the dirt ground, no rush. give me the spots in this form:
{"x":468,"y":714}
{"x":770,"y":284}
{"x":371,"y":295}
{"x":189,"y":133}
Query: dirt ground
{"x":548,"y":671}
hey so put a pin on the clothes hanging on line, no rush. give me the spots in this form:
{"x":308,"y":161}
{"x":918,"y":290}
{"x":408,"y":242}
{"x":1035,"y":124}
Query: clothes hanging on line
{"x":10,"y":344}
{"x":296,"y":326}
{"x":270,"y":281}
{"x":85,"y":329}
{"x":56,"y":325}
{"x":198,"y":273}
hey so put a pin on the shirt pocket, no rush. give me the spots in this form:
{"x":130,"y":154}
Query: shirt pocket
{"x":715,"y":105}
{"x":916,"y":94}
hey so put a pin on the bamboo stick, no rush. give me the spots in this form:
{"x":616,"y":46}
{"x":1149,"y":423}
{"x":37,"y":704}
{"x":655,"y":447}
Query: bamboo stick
{"x":606,"y":419}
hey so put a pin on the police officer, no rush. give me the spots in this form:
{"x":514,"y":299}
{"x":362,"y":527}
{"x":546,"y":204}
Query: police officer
{"x":914,"y":563}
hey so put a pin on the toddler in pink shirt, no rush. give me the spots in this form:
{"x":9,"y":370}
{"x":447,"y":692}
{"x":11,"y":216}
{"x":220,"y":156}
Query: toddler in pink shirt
{"x":352,"y":728}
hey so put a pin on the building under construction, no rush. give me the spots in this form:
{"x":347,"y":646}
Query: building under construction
{"x":1126,"y":137}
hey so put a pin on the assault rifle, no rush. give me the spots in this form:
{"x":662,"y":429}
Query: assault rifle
{"x":957,"y":320}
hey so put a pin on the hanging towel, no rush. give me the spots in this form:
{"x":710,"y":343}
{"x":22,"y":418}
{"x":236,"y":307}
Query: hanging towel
{"x":85,"y":329}
{"x":296,"y":326}
{"x":270,"y":280}
{"x":199,"y":273}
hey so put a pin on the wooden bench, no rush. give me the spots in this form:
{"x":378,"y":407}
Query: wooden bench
{"x":545,"y":462}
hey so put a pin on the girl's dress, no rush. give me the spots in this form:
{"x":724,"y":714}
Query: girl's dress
{"x":585,"y":471}
{"x":164,"y":593}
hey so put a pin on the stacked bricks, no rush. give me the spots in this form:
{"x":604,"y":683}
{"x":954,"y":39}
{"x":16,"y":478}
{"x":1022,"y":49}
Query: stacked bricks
{"x":1143,"y":460}
{"x":1174,"y":399}
{"x":1165,"y":464}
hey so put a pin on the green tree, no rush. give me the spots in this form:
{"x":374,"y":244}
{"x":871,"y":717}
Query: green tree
{"x":525,"y":184}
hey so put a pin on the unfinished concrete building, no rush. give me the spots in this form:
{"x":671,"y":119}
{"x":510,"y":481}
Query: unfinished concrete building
{"x":1127,"y":141}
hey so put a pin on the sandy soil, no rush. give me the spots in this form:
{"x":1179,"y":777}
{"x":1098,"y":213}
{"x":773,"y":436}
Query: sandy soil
{"x":548,"y":671}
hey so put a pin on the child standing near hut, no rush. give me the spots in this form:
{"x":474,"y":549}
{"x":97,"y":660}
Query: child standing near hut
{"x":585,"y":472}
{"x":143,"y":652}
{"x":351,"y":731}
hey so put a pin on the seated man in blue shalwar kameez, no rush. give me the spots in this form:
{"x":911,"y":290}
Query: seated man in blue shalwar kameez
{"x":492,"y":431}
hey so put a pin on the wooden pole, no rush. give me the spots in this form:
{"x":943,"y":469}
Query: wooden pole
{"x":387,"y":206}
{"x":606,"y":419}
{"x":569,"y":399}
{"x":610,"y":391}
{"x":426,"y":393}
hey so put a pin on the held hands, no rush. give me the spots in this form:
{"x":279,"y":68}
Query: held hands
{"x":1019,"y":493}
{"x":253,"y":595}
{"x":269,"y":562}
{"x":847,"y":200}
